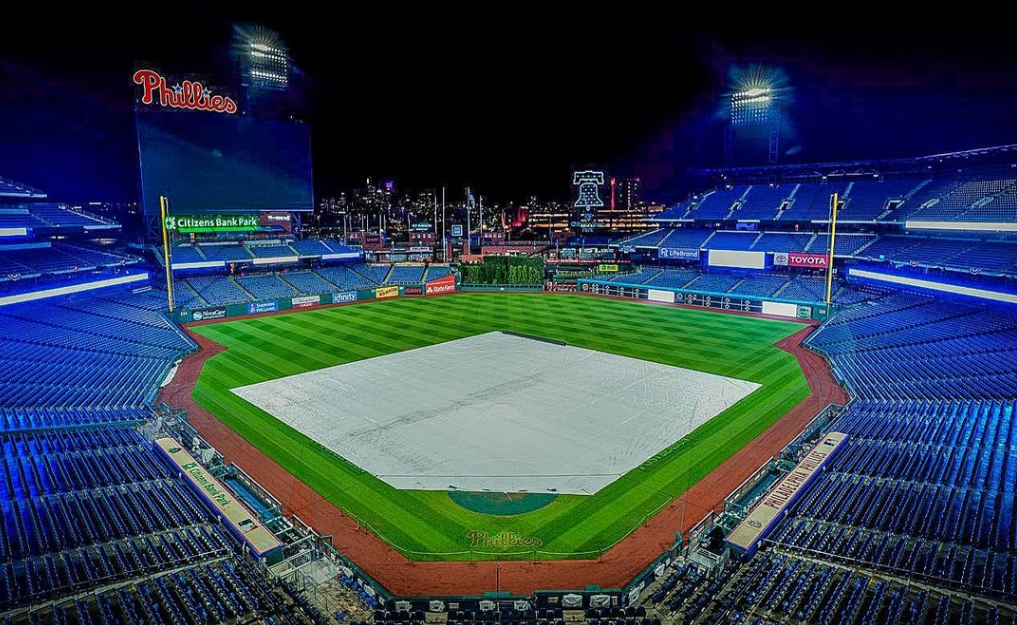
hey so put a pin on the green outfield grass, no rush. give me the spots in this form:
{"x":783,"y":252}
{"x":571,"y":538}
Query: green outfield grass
{"x":428,"y":525}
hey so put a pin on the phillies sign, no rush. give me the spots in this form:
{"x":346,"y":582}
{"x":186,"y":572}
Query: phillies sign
{"x":800,"y":259}
{"x":189,"y":94}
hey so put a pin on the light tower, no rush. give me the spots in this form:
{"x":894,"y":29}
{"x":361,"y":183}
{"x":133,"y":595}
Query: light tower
{"x":263,"y":66}
{"x":264,"y":59}
{"x":755,"y":108}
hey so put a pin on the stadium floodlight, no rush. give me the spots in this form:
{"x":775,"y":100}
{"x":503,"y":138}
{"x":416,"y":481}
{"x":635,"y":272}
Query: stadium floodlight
{"x":756,"y":95}
{"x":264,"y":59}
{"x":755,"y":107}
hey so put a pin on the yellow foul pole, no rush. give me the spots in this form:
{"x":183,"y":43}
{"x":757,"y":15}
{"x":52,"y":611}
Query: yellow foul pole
{"x":834,"y":206}
{"x":165,"y":251}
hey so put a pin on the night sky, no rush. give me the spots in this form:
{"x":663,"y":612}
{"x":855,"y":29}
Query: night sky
{"x":506,"y":102}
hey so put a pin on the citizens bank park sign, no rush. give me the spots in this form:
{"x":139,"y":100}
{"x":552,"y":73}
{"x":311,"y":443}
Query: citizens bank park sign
{"x":188,"y":94}
{"x":211,"y":223}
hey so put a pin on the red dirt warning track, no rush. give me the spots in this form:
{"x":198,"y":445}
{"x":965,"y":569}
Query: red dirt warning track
{"x":614,"y":569}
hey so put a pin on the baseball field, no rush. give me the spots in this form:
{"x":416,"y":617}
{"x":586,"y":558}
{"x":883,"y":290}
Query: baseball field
{"x":433,"y":524}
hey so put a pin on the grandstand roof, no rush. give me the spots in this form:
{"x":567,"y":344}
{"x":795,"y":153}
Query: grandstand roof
{"x":860,"y":167}
{"x":10,"y":188}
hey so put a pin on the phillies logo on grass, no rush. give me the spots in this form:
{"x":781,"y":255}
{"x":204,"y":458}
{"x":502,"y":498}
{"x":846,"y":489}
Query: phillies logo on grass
{"x":480,"y":538}
{"x":189,"y":94}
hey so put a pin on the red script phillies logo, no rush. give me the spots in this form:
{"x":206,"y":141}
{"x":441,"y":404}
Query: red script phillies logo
{"x":189,"y":94}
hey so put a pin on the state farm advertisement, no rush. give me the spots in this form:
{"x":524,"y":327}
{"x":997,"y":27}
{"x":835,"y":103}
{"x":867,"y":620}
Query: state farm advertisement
{"x":446,"y":284}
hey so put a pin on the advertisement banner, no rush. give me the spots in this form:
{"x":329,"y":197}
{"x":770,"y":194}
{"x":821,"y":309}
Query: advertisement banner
{"x":386,"y":291}
{"x":273,"y":220}
{"x":344,"y":298}
{"x":606,"y":268}
{"x":446,"y":284}
{"x":209,"y":313}
{"x":780,"y":309}
{"x":256,"y":308}
{"x":737,"y":259}
{"x":413,"y":290}
{"x":678,"y":253}
{"x":656,"y":295}
{"x":801,"y":259}
{"x":306,"y":301}
{"x":186,"y":224}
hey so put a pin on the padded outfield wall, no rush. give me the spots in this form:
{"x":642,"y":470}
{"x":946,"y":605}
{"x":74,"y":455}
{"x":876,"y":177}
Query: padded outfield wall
{"x":259,"y":307}
{"x":791,"y":309}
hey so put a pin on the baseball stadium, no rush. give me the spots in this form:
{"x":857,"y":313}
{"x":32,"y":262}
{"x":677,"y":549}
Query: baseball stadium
{"x":784,"y":396}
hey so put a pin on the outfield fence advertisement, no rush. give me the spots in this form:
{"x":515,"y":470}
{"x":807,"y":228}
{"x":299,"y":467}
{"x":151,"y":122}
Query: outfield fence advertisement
{"x":257,"y":308}
{"x":656,"y":295}
{"x":446,"y":284}
{"x":306,"y":301}
{"x":210,"y":313}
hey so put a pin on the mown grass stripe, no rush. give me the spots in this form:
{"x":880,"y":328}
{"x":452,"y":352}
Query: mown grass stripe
{"x":270,"y":347}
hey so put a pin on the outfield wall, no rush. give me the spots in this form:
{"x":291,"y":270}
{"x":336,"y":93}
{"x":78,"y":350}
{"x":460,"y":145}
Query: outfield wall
{"x":792,"y":309}
{"x":260,"y":307}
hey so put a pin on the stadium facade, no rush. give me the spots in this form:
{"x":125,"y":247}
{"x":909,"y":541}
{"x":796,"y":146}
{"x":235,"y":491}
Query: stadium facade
{"x":882,"y":489}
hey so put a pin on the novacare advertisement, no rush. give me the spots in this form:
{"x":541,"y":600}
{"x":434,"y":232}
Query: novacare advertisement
{"x":446,"y":284}
{"x":209,"y":313}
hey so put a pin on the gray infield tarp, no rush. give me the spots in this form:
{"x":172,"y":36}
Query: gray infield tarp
{"x":498,"y":412}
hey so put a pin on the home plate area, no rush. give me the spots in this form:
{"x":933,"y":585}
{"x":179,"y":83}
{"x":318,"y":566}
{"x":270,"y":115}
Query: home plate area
{"x":498,"y":412}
